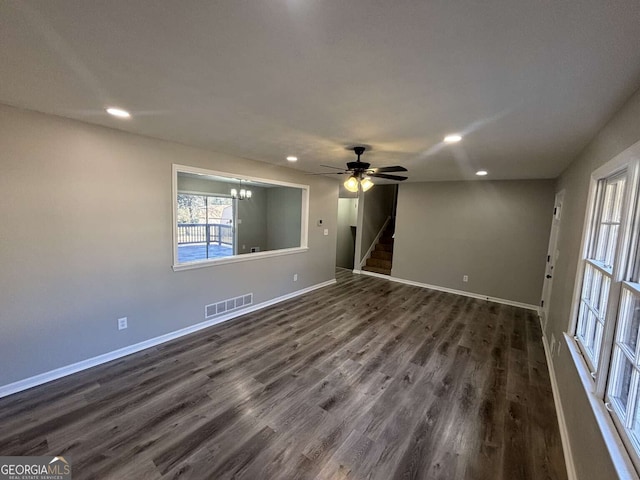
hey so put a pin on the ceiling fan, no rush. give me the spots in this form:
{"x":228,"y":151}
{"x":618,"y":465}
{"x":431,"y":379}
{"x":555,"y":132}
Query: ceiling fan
{"x":362,"y":172}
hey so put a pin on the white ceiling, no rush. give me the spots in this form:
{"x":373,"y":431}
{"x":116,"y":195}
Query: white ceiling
{"x":527,"y":82}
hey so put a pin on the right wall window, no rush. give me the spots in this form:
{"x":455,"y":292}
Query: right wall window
{"x":598,"y":268}
{"x":608,"y":318}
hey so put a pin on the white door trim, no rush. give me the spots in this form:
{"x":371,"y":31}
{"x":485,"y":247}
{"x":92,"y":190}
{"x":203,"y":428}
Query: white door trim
{"x":552,"y":257}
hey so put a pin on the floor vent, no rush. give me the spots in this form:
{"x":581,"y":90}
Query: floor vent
{"x":226,"y":306}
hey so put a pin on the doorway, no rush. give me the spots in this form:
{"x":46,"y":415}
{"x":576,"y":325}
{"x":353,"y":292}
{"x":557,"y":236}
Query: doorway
{"x":346,"y":235}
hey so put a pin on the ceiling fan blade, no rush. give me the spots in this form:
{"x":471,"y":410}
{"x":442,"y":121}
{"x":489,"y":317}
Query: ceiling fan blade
{"x":388,"y":177}
{"x":327,"y":173}
{"x":329,"y":166}
{"x":396,"y":168}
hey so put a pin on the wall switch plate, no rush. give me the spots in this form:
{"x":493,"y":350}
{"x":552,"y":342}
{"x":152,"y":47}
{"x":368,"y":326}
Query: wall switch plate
{"x":465,"y":278}
{"x":326,"y":231}
{"x":122,"y":323}
{"x":295,"y":277}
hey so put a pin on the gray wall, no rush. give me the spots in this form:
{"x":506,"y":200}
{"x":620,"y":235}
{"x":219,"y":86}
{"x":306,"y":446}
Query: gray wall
{"x":494,"y":232}
{"x":622,"y":131}
{"x":202,"y":185}
{"x":283,"y":217}
{"x":378,"y":206}
{"x":347,"y":220}
{"x":86,"y":237}
{"x":252,"y":221}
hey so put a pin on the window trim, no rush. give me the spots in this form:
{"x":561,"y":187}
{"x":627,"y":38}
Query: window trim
{"x":304,"y":227}
{"x":616,"y":448}
{"x":609,"y":169}
{"x":626,"y":460}
{"x":600,"y":372}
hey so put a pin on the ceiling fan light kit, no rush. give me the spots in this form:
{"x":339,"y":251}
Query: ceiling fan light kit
{"x":351,"y":184}
{"x":366,"y":184}
{"x":361,"y":173}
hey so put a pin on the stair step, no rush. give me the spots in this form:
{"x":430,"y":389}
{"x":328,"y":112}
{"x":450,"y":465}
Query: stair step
{"x":384,"y":247}
{"x":383,"y":271}
{"x":385,"y":239}
{"x":376,"y":262}
{"x":382,"y":255}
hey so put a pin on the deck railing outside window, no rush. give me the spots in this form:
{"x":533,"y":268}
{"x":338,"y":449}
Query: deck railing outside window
{"x":209,"y":233}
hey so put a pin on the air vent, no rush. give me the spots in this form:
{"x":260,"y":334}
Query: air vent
{"x":226,"y":306}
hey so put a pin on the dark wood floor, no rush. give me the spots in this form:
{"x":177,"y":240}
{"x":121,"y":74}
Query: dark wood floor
{"x":364,"y":379}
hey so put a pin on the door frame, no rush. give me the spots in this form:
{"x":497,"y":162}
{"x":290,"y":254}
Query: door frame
{"x":552,"y":257}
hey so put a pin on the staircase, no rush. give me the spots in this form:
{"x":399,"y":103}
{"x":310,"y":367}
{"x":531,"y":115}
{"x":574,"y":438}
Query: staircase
{"x":382,"y":255}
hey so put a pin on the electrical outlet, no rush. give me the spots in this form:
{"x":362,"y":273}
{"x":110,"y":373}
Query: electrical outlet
{"x":295,"y":277}
{"x":465,"y":278}
{"x":326,"y":231}
{"x":122,"y":323}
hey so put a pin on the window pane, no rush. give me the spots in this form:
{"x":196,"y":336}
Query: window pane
{"x":597,"y":342}
{"x":606,"y":243}
{"x":601,"y":244}
{"x":629,"y":320}
{"x":220,"y":210}
{"x":596,"y":284}
{"x":204,"y":227}
{"x":191,"y":208}
{"x":622,"y":372}
{"x":613,"y":198}
{"x":608,"y":225}
{"x":582,"y":321}
{"x":635,"y":425}
{"x":608,"y":204}
{"x":595,"y":290}
{"x":617,"y":209}
{"x":601,"y":305}
{"x":592,"y":312}
{"x":588,"y":281}
{"x":612,"y":242}
{"x":591,"y":332}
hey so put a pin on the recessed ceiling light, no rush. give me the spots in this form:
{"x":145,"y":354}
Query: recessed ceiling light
{"x":453,"y":138}
{"x":292,"y":159}
{"x":118,"y":112}
{"x":481,"y":173}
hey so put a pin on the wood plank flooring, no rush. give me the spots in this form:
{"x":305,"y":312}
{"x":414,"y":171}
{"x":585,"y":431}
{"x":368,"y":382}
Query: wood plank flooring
{"x":364,"y":379}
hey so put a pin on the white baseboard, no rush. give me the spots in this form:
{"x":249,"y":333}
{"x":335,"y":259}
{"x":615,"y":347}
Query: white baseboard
{"x":45,"y":377}
{"x":451,"y":290}
{"x":562,"y":424}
